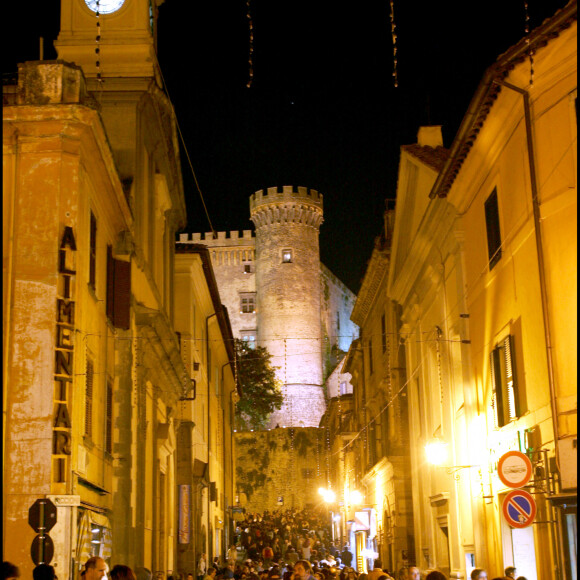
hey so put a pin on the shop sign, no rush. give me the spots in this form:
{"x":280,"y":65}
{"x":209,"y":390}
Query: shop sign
{"x":64,"y":352}
{"x":519,"y":508}
{"x":514,"y":469}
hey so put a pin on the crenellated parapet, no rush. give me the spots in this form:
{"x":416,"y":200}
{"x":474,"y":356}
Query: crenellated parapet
{"x":286,"y":205}
{"x":231,"y":238}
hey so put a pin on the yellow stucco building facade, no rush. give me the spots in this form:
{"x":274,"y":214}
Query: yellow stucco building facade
{"x":484,"y":268}
{"x":96,"y":381}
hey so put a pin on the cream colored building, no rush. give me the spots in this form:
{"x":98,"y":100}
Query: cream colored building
{"x":484,"y":268}
{"x":205,"y":457}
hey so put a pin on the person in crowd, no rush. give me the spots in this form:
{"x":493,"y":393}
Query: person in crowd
{"x":211,"y":573}
{"x":478,"y":574}
{"x":409,"y":573}
{"x":521,"y":578}
{"x":10,"y":571}
{"x":145,"y":574}
{"x":377,"y":571}
{"x":346,"y":556}
{"x":510,"y":572}
{"x":120,"y":572}
{"x":302,"y":571}
{"x":44,"y":572}
{"x":229,"y":570}
{"x":95,"y":568}
{"x":436,"y":575}
{"x":232,"y":553}
{"x":201,"y":567}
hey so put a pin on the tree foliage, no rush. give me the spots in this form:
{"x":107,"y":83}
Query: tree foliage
{"x":261,"y":390}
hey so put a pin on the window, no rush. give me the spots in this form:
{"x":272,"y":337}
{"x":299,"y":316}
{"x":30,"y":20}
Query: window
{"x":286,"y":256}
{"x":118,"y":291}
{"x":338,"y":321}
{"x":371,"y":369}
{"x":109,"y":420}
{"x":89,"y":398}
{"x":247,"y":303}
{"x":503,"y":380}
{"x":249,"y":337}
{"x":93,"y":251}
{"x":247,"y":269}
{"x":492,"y":228}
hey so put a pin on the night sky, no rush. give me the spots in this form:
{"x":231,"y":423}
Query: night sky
{"x":322,"y":111}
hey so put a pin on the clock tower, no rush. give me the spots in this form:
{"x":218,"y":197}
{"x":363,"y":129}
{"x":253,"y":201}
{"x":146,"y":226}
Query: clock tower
{"x":109,"y":38}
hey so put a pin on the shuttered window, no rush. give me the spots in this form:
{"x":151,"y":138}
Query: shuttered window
{"x":93,"y":252}
{"x":89,"y":398}
{"x":503,"y":379}
{"x":109,"y":420}
{"x":492,"y":229}
{"x":118,"y":291}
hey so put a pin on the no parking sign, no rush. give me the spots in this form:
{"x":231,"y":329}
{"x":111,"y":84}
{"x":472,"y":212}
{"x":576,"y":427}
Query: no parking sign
{"x":519,"y":508}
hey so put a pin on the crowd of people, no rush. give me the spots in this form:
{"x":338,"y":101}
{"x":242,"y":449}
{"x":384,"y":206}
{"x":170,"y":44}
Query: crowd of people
{"x":281,"y":545}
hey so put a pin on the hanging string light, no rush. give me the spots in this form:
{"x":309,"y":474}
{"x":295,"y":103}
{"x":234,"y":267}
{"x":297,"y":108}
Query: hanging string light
{"x":394,"y":37}
{"x":251,"y":45}
{"x":527,"y":32}
{"x":98,"y":45}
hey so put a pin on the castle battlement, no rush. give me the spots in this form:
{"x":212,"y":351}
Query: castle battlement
{"x":231,"y":238}
{"x":285,"y":194}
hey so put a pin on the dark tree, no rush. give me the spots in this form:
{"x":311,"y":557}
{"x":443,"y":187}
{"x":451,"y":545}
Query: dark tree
{"x":261,"y":390}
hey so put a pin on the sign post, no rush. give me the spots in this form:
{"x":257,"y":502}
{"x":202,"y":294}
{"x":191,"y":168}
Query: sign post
{"x":42,"y":518}
{"x":519,"y":508}
{"x":514,"y":469}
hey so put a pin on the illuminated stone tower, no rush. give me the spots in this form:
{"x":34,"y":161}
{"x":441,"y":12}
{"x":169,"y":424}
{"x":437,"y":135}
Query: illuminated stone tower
{"x":289,"y":299}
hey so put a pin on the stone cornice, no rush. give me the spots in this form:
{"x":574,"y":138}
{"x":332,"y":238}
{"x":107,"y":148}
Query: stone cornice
{"x":377,"y":268}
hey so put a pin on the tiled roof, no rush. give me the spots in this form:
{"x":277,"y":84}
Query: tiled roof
{"x":435,"y":157}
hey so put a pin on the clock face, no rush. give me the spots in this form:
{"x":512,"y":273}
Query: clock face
{"x":105,"y":6}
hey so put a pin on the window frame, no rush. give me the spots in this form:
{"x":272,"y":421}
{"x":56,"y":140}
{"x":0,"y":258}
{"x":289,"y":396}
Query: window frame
{"x":505,"y":397}
{"x":493,"y":228}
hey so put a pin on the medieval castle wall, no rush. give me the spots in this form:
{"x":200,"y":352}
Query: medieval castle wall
{"x":278,"y":293}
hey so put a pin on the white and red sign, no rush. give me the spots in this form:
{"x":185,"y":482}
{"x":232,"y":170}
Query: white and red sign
{"x":519,"y":508}
{"x":514,"y":469}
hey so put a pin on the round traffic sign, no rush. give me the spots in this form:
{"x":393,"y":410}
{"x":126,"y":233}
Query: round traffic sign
{"x":42,"y":515}
{"x":519,"y":508}
{"x":42,"y":550}
{"x":514,"y":469}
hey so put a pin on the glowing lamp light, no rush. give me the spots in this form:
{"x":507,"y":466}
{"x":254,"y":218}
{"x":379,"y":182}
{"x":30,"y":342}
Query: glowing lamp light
{"x":327,"y":494}
{"x":436,"y":452}
{"x":356,"y":497}
{"x":366,"y":553}
{"x":336,"y":518}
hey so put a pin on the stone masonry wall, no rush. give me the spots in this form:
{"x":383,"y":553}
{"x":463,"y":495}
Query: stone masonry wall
{"x":280,"y":463}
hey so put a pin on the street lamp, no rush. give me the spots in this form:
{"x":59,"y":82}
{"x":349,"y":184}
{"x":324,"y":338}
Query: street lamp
{"x":356,"y":497}
{"x":436,"y":451}
{"x":327,"y":494}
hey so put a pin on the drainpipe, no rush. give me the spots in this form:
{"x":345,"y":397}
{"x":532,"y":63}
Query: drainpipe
{"x":207,"y":374}
{"x":544,"y":296}
{"x":541,"y":266}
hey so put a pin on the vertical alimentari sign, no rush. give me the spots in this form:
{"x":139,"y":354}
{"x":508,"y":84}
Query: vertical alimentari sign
{"x":64,"y":353}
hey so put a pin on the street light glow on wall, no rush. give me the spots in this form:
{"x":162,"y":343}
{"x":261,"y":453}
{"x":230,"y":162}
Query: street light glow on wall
{"x":436,"y":452}
{"x":356,"y":497}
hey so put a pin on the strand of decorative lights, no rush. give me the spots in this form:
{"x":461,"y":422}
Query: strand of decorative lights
{"x":394,"y":37}
{"x":251,"y":46}
{"x":527,"y":32}
{"x":98,"y":45}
